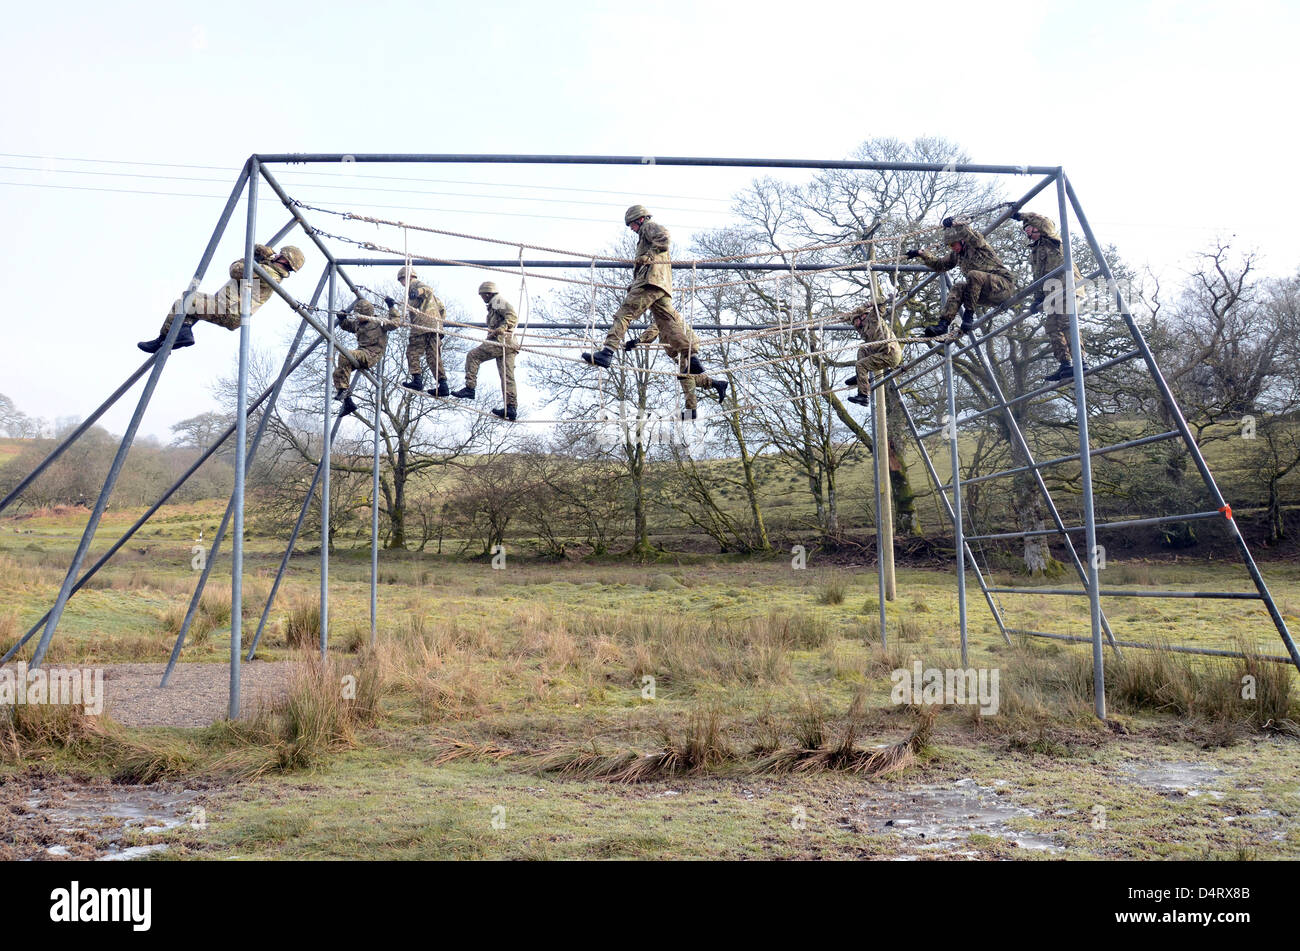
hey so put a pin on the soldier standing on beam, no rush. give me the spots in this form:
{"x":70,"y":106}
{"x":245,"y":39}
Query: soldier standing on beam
{"x":372,"y":340}
{"x":222,"y":308}
{"x":652,"y":289}
{"x":499,"y":346}
{"x":425,"y":342}
{"x":1045,"y":256}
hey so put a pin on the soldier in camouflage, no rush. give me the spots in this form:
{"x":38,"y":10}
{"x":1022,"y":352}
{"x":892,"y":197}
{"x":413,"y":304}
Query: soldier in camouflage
{"x":652,"y":289}
{"x":222,"y":308}
{"x":988,"y":281}
{"x":499,"y":346}
{"x":1045,"y":256}
{"x":882,"y":350}
{"x":425,"y":342}
{"x":372,"y":340}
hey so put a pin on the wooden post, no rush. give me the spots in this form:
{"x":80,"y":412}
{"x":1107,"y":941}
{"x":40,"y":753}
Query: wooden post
{"x":880,"y":442}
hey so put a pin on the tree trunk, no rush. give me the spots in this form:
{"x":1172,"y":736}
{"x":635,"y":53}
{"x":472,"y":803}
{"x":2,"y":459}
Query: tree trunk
{"x":907,"y":521}
{"x":397,"y":511}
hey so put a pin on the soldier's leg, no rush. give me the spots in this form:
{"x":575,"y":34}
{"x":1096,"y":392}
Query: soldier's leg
{"x":861,"y":368}
{"x":414,"y":354}
{"x":1057,"y":327}
{"x":473,"y":360}
{"x":506,"y":364}
{"x":686,"y":379}
{"x":343,"y":370}
{"x":634,"y":305}
{"x":435,"y":357}
{"x":954,"y":302}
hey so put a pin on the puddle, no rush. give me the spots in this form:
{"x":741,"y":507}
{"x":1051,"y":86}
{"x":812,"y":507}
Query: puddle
{"x":1178,"y":778}
{"x":935,"y":817}
{"x":93,"y":822}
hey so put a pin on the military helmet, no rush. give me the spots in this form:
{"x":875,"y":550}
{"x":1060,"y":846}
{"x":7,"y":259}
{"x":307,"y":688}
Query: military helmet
{"x":956,"y":232}
{"x":406,"y":274}
{"x":487,"y":287}
{"x":1043,"y":223}
{"x":363,"y":307}
{"x":295,"y":257}
{"x":635,"y":212}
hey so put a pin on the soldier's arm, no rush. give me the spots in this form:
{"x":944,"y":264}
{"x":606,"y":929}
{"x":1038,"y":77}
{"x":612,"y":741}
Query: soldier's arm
{"x":935,"y":263}
{"x":656,"y":235}
{"x":348,"y":323}
{"x":510,"y":318}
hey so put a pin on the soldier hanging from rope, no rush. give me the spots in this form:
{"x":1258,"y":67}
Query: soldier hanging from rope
{"x":425,"y":341}
{"x":372,"y":340}
{"x":987,"y":279}
{"x":652,"y":289}
{"x":1045,"y":256}
{"x":882,"y":350}
{"x":499,"y":346}
{"x":222,"y":308}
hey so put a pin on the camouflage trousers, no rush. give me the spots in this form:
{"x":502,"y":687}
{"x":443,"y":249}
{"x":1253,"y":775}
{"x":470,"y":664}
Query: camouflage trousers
{"x":979,"y":288}
{"x":425,"y":347}
{"x":880,"y":356}
{"x":505,"y":358}
{"x":365,"y":360}
{"x":678,"y":340}
{"x":637,"y":302}
{"x":214,"y":308}
{"x":1058,"y":335}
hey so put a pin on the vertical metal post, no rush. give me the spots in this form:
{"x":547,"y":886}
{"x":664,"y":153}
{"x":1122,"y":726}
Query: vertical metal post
{"x":326,"y":453}
{"x":881,"y":542}
{"x":241,"y":446}
{"x":1085,"y":458}
{"x":957,"y":528}
{"x":374,"y":510}
{"x":1181,"y":424}
{"x":123,"y":447}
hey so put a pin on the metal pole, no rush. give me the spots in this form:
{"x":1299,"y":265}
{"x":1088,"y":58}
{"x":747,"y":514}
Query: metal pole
{"x":956,"y":497}
{"x":326,"y":451}
{"x":241,"y":447}
{"x":374,"y":511}
{"x":160,"y":361}
{"x":77,"y":433}
{"x":162,"y":500}
{"x":947,"y":507}
{"x":881,"y":583}
{"x":1181,"y":423}
{"x":1085,"y":459}
{"x":289,"y":549}
{"x":290,"y":364}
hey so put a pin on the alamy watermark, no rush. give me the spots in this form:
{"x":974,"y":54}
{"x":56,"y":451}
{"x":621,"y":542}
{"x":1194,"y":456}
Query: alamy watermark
{"x":973,"y":686}
{"x":58,"y":686}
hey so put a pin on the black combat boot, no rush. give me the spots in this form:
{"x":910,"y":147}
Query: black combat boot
{"x":442,"y":389}
{"x":416,"y":382}
{"x":510,"y":413}
{"x":601,"y":358}
{"x":851,"y":381}
{"x":348,"y":408}
{"x":936,"y":330}
{"x":339,"y":393}
{"x":696,"y":366}
{"x":1064,"y":372}
{"x":862,"y":399}
{"x":721,"y":387}
{"x":184,"y":339}
{"x":967,"y":321}
{"x":464,"y":393}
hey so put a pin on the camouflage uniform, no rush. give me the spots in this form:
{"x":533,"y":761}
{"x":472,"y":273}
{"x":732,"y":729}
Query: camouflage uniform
{"x":679,"y":342}
{"x":222,"y":308}
{"x":652,"y":284}
{"x":372,"y":339}
{"x":987,"y":279}
{"x":1045,"y":256}
{"x":425,"y":343}
{"x":884,"y":351}
{"x":499,"y":346}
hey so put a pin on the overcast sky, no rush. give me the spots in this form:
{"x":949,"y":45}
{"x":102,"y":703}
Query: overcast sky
{"x":125,"y":124}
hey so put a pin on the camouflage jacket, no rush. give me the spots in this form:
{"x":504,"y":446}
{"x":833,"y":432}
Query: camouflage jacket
{"x":501,"y":319}
{"x":874,"y":325}
{"x":1046,"y":255}
{"x":426,"y":311}
{"x":976,"y":255}
{"x":228,"y":296}
{"x":371,"y":334}
{"x":652,"y":268}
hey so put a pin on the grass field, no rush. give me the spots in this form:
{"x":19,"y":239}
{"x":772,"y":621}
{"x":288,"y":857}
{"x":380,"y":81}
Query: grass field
{"x":508,"y":713}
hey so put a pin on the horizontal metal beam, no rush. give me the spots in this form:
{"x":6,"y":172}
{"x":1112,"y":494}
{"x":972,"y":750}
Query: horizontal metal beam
{"x":586,"y":265}
{"x":1209,"y":651}
{"x":1116,"y":447}
{"x":452,"y":158}
{"x":1128,"y":523}
{"x":1114,"y":593}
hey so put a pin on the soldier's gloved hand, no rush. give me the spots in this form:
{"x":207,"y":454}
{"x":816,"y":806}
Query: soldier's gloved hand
{"x":390,"y":302}
{"x":631,"y":344}
{"x":947,"y":222}
{"x":1015,"y":215}
{"x":913,"y":253}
